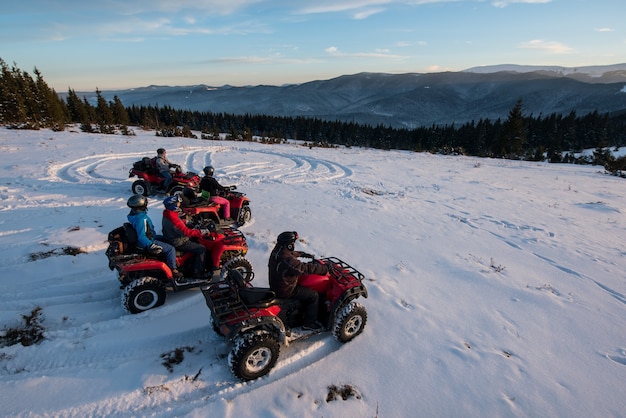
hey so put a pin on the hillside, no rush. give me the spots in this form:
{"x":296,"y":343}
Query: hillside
{"x":406,"y":100}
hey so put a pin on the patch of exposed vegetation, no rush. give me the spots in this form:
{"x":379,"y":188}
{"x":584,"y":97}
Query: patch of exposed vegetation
{"x":344,"y":392}
{"x":32,"y":332}
{"x":69,"y":250}
{"x":174,"y":357}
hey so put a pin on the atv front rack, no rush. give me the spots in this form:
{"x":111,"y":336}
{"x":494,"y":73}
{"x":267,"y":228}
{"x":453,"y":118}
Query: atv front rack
{"x":344,"y":272}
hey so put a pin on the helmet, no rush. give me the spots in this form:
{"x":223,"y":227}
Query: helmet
{"x":208,"y":171}
{"x":137,"y":201}
{"x":171,"y":202}
{"x":287,"y":237}
{"x":161,"y":151}
{"x":189,"y":194}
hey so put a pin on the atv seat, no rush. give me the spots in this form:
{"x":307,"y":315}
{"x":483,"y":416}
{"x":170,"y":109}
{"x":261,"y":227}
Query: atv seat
{"x":257,"y":297}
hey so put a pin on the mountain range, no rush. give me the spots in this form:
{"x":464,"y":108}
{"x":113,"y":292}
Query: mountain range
{"x":406,"y":100}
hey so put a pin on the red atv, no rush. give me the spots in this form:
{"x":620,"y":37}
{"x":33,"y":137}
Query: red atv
{"x":198,"y":208}
{"x":256,"y":322}
{"x":151,"y":182}
{"x":145,"y":278}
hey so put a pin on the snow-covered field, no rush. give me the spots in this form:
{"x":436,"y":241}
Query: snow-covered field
{"x":496,"y":287}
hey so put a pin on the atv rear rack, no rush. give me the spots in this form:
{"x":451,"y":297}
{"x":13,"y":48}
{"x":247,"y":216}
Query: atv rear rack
{"x":233,"y":307}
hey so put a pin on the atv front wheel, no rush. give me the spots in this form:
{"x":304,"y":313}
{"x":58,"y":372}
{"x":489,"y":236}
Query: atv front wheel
{"x":141,"y":187}
{"x":178,"y":189}
{"x":240,"y":264}
{"x":349,"y":322}
{"x":244,"y":216}
{"x":143,"y":294}
{"x":253,"y":355}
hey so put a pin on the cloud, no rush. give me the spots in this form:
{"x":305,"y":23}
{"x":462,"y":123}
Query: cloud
{"x":547,"y":46}
{"x":379,"y":53}
{"x":367,"y":13}
{"x":604,"y":29}
{"x":166,"y":27}
{"x":341,"y":6}
{"x":334,"y":6}
{"x":268,"y":60}
{"x":504,"y":3}
{"x":404,"y":44}
{"x":203,"y":7}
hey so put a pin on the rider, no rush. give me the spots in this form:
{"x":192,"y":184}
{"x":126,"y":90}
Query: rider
{"x":209,"y":184}
{"x":147,"y":240}
{"x":284,"y":270}
{"x":176,"y":233}
{"x":163,"y":166}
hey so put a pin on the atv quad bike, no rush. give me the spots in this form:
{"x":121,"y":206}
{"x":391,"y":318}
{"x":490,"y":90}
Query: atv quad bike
{"x":198,"y":208}
{"x":151,"y":182}
{"x":255,"y":322}
{"x":145,"y":279}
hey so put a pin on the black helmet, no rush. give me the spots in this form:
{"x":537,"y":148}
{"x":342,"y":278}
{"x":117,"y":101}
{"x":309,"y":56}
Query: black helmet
{"x":137,"y":201}
{"x":189,"y":194}
{"x":208,"y":171}
{"x":287,"y":237}
{"x":161,"y":151}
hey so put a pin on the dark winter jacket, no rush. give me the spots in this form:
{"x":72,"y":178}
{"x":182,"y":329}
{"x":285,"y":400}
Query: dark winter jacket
{"x":142,"y":224}
{"x":211,"y":186}
{"x":284,"y":269}
{"x":175,"y":231}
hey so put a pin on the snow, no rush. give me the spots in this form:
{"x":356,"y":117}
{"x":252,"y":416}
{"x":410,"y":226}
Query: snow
{"x":496,"y":287}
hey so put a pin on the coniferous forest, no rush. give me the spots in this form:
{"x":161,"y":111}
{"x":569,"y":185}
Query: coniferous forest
{"x":27,"y":102}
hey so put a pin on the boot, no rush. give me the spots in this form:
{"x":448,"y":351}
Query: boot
{"x":179,"y":278}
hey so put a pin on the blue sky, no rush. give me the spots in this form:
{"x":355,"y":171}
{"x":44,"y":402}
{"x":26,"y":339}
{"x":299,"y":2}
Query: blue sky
{"x":119,"y":44}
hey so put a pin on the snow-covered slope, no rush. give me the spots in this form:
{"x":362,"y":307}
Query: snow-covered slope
{"x":496,"y":288}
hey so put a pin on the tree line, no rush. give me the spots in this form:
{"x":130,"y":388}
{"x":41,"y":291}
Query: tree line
{"x":28,"y":102}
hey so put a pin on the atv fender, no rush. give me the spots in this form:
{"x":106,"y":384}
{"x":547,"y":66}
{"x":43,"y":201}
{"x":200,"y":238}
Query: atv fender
{"x":269,"y":323}
{"x":348,"y":296}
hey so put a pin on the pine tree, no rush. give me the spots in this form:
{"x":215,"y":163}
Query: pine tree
{"x":104,"y":116}
{"x":513,"y":136}
{"x":120,"y":115}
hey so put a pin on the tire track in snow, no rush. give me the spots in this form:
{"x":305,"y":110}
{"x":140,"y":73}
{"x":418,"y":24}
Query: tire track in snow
{"x":265,"y":166}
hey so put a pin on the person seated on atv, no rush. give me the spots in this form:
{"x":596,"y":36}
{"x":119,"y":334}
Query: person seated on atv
{"x":176,"y":233}
{"x":209,"y":185}
{"x":284,"y":270}
{"x":163,"y":166}
{"x":147,"y":240}
{"x":189,"y":198}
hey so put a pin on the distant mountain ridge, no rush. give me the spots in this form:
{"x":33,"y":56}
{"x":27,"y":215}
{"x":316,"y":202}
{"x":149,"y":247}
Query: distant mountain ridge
{"x":407,"y":100}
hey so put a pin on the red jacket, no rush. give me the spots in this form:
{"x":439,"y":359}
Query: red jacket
{"x":175,"y":231}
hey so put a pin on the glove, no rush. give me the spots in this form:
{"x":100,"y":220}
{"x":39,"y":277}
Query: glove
{"x":155,"y":249}
{"x":233,"y":187}
{"x":306,"y":255}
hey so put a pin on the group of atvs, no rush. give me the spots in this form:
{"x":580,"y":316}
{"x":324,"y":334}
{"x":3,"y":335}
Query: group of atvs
{"x":252,"y":319}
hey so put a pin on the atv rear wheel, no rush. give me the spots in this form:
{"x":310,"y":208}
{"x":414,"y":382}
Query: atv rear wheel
{"x":141,"y":187}
{"x":143,"y":294}
{"x":349,"y":322}
{"x":244,"y":216}
{"x":253,"y":355}
{"x":240,"y":264}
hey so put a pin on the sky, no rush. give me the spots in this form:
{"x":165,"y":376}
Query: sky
{"x":107,"y":44}
{"x":496,"y":288}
